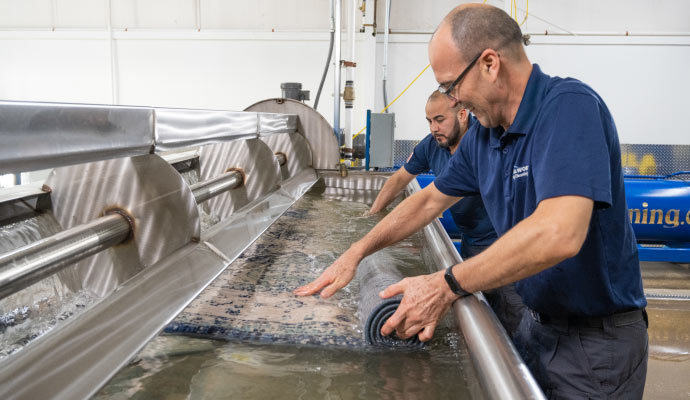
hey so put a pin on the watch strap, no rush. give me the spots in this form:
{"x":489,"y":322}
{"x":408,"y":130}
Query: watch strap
{"x":453,"y":284}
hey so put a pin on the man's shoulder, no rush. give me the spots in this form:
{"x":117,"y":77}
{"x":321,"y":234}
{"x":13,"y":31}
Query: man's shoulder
{"x":559,"y":87}
{"x":475,"y":132}
{"x":428,"y":146}
{"x":428,"y":141}
{"x":419,"y":159}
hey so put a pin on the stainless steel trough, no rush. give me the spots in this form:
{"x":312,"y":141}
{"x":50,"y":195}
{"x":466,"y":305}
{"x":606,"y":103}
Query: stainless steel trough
{"x":133,"y":233}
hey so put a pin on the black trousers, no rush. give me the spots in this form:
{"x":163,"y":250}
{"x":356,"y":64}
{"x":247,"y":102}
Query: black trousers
{"x":597,"y":358}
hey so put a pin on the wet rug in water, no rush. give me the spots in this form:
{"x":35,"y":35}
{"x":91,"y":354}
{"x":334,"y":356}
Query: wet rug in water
{"x":252,"y":300}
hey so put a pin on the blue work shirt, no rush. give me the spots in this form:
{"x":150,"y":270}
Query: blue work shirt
{"x":469,"y":213}
{"x":562,"y":142}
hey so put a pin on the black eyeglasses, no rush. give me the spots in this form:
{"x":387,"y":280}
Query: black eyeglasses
{"x":447,"y":91}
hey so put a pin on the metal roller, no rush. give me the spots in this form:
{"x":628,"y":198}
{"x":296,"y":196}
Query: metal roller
{"x":208,"y":189}
{"x":29,"y":264}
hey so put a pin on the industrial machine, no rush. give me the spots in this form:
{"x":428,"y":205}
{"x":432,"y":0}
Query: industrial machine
{"x":659,"y":208}
{"x":116,"y":219}
{"x":659,"y":211}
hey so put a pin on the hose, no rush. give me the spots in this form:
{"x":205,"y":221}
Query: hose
{"x":325,"y":71}
{"x":385,"y":97}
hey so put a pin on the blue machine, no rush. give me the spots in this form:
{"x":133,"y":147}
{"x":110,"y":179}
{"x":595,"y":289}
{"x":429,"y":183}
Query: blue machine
{"x":659,"y":209}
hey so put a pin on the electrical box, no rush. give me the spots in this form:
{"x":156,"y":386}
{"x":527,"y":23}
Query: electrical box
{"x":381,"y":135}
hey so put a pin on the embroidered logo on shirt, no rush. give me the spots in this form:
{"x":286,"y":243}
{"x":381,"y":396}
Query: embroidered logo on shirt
{"x":519,"y":172}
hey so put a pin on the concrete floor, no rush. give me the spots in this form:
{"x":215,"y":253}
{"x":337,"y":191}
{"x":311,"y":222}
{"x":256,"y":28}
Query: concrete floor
{"x":668,"y":293}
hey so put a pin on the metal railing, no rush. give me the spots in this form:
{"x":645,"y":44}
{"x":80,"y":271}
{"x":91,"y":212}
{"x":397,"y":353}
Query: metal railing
{"x":31,"y":132}
{"x":503,"y":374}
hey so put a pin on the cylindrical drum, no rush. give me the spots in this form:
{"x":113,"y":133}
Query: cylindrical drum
{"x":659,"y":209}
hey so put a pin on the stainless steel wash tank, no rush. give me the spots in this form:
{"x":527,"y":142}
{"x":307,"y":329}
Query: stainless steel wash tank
{"x":130,"y":228}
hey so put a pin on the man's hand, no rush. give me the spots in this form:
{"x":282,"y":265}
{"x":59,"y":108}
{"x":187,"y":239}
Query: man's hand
{"x":333,"y":278}
{"x":426,"y":299}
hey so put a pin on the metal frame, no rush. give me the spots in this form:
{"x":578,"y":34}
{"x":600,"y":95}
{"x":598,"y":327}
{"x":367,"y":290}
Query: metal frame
{"x":664,"y":253}
{"x":26,"y":265}
{"x":77,"y":358}
{"x":39,"y":136}
{"x":83,"y":354}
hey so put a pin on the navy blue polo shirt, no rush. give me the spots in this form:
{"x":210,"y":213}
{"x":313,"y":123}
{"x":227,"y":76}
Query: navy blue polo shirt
{"x":563,"y":142}
{"x":469,"y":213}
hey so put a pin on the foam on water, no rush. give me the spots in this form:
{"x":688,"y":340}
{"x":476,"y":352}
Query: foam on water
{"x":207,"y":219}
{"x":266,"y":363}
{"x":39,"y":308}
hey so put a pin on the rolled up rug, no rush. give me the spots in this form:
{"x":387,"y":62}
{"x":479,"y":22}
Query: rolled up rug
{"x":374,"y":274}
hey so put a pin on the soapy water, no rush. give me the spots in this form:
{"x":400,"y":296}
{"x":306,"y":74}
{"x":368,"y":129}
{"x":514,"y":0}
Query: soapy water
{"x":253,"y":300}
{"x":268,"y":364}
{"x":192,"y":368}
{"x":39,"y":308}
{"x":207,"y":218}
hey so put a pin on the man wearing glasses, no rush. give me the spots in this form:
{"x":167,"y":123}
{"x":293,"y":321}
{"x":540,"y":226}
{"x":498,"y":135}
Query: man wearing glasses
{"x":546,"y":160}
{"x":448,"y":123}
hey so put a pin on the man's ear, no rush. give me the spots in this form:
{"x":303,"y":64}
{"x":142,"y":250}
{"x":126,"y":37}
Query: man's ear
{"x":489,"y":64}
{"x":462,"y":114}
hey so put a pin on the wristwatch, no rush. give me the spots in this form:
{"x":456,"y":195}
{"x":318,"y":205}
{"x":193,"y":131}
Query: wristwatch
{"x":453,"y":283}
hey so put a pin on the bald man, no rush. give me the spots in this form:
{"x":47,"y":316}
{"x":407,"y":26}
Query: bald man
{"x":448,"y":123}
{"x":546,"y":161}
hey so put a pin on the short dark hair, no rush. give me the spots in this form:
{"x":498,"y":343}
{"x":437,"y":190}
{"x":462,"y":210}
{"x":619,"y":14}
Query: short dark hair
{"x":436,"y":95}
{"x":478,"y":27}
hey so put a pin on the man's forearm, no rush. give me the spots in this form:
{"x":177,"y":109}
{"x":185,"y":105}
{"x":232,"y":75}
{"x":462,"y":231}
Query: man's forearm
{"x":536,"y":243}
{"x":408,"y":217}
{"x":390,"y":190}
